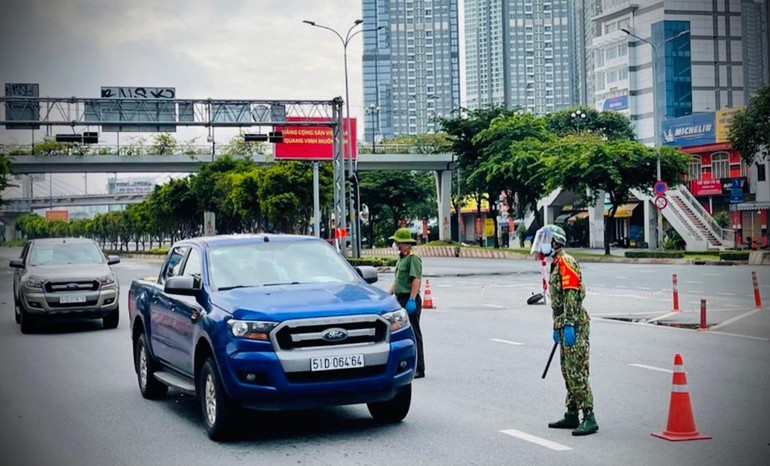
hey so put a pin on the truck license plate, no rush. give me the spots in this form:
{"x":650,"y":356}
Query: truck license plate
{"x":72,"y":299}
{"x":337,"y":362}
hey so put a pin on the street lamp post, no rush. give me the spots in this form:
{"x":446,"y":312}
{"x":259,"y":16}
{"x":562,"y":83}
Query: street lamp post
{"x":374,"y":111}
{"x":655,"y":122}
{"x":347,"y":148}
{"x":578,"y":115}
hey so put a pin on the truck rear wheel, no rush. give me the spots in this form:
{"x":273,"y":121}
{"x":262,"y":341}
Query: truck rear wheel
{"x":219,"y":411}
{"x":151,"y":388}
{"x":393,"y":410}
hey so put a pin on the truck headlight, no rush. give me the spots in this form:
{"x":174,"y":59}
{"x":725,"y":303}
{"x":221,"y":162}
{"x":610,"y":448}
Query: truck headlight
{"x":107,"y":280}
{"x":251,"y":329}
{"x":34,"y":283}
{"x":398,"y":319}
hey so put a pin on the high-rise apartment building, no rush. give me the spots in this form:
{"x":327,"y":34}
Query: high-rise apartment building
{"x":411,"y":65}
{"x":522,"y":53}
{"x":701,"y":53}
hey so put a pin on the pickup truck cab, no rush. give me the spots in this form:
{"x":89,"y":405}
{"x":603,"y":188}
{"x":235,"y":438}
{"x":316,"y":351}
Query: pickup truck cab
{"x":270,"y":322}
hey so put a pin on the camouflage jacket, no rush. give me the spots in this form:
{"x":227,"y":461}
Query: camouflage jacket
{"x":567,"y":292}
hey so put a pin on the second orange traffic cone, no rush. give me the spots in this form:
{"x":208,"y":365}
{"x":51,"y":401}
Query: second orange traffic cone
{"x":427,"y":302}
{"x":681,"y":424}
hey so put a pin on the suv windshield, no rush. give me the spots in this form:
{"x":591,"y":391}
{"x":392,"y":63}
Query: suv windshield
{"x":277,"y":263}
{"x":65,"y":253}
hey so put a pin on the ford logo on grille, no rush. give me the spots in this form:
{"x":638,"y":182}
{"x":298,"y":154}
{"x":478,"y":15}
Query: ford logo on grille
{"x":334,"y":334}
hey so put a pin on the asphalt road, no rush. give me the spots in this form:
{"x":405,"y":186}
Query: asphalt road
{"x":68,"y":394}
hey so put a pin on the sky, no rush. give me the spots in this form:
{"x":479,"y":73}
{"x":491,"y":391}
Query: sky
{"x":224,"y":49}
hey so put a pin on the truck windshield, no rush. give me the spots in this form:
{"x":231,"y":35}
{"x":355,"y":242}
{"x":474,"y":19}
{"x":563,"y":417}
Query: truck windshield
{"x":65,"y":253}
{"x":277,"y":263}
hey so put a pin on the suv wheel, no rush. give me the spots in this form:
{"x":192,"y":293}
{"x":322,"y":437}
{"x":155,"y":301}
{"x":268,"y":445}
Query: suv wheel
{"x":151,"y":388}
{"x":112,"y":319}
{"x":25,"y":320}
{"x":393,"y":410}
{"x":219,"y":411}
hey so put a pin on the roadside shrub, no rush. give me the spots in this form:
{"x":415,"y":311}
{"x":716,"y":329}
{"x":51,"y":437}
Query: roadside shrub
{"x":373,"y":261}
{"x":734,"y":255}
{"x":654,"y":254}
{"x":162,"y":251}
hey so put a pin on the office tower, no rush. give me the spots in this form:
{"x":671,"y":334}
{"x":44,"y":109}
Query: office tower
{"x":755,"y":45}
{"x":521,"y":53}
{"x":411,"y":66}
{"x":701,"y":62}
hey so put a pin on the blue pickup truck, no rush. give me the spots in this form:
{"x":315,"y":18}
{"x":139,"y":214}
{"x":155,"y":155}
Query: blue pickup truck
{"x":270,"y":322}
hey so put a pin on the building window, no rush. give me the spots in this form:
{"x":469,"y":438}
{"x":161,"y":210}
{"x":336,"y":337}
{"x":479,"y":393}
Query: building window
{"x":694,"y":169}
{"x":720,"y":165}
{"x":761,"y":175}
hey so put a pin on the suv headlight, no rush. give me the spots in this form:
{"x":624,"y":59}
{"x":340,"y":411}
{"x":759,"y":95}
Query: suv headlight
{"x":398,"y":319}
{"x":34,"y":283}
{"x":107,"y":280}
{"x":251,"y":329}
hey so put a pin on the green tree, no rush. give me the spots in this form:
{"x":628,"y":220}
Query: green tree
{"x":163,"y":144}
{"x":750,"y":128}
{"x":587,"y":164}
{"x":239,"y":147}
{"x":463,"y":129}
{"x":611,"y":126}
{"x":511,"y":160}
{"x":5,"y":172}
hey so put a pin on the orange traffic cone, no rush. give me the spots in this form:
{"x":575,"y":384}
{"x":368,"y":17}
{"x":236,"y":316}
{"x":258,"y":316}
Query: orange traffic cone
{"x":427,"y":302}
{"x":681,"y":424}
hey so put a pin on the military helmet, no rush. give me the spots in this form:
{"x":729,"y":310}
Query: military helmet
{"x":557,"y":234}
{"x":402,"y":235}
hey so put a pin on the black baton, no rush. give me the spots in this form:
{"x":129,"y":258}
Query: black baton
{"x":550,"y":358}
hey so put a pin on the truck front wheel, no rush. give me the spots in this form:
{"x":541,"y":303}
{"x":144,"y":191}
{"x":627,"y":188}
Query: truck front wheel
{"x":219,"y":411}
{"x":151,"y":388}
{"x":393,"y":410}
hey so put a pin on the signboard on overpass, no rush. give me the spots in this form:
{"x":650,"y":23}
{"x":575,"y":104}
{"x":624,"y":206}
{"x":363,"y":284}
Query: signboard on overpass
{"x":22,"y":110}
{"x":53,"y":215}
{"x":134,"y":105}
{"x":312,"y":142}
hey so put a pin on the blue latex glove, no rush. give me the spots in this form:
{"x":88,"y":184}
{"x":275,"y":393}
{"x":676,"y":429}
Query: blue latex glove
{"x":556,"y":336}
{"x":411,"y":306}
{"x":569,"y":335}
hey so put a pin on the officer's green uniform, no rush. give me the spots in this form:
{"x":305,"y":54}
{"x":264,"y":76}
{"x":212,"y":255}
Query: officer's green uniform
{"x":409,"y":268}
{"x":567,"y":292}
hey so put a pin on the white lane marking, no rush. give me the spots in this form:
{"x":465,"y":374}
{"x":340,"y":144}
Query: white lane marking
{"x":739,"y":336}
{"x":536,"y":440}
{"x":494,"y":306}
{"x":641,"y":288}
{"x":738,"y":317}
{"x":672,"y":313}
{"x":652,"y":368}
{"x":507,"y":342}
{"x":724,"y":294}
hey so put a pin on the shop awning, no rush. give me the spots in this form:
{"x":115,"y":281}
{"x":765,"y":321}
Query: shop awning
{"x":578,"y":216}
{"x":750,"y":206}
{"x":624,"y":211}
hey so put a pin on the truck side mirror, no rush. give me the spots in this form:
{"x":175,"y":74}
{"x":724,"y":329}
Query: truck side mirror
{"x":113,"y":259}
{"x":368,"y":273}
{"x":17,"y":263}
{"x":184,"y":285}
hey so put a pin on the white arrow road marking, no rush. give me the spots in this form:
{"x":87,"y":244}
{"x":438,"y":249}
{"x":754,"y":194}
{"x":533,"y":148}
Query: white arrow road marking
{"x":507,"y":342}
{"x":536,"y":440}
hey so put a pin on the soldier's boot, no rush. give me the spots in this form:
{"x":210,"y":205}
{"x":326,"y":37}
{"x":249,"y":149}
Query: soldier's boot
{"x":588,"y":426}
{"x":569,"y":421}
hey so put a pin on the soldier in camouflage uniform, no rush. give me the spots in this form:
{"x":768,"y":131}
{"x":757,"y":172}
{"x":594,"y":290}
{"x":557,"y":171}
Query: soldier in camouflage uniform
{"x":571,"y":326}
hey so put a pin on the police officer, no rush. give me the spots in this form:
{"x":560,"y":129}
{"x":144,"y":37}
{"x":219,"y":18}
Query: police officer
{"x":571,"y":326}
{"x":406,"y":288}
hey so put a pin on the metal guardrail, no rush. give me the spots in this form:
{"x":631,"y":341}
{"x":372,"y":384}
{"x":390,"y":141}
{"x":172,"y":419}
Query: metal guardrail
{"x":134,"y":149}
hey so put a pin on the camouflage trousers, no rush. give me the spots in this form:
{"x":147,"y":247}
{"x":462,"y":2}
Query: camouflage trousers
{"x":574,"y":368}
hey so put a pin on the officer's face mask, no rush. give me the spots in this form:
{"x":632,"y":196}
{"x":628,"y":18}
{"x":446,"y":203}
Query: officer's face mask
{"x":546,"y":249}
{"x":394,"y":245}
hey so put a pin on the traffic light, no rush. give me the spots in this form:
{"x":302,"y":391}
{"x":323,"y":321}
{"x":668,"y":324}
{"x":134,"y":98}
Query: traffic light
{"x":276,"y":137}
{"x":85,"y":138}
{"x":272,"y":137}
{"x":353,"y":187}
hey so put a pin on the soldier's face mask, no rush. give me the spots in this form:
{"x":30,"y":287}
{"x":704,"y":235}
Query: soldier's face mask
{"x":546,"y":249}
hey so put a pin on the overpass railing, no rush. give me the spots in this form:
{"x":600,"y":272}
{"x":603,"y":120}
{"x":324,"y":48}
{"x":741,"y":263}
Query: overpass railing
{"x":47,"y":149}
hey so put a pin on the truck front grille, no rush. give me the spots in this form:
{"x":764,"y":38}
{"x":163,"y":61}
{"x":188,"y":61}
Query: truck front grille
{"x":319,"y":333}
{"x":65,"y":286}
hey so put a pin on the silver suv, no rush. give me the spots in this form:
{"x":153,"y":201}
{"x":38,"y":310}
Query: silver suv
{"x":61,"y":278}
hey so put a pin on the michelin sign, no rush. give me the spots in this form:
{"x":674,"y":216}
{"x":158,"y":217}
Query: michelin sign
{"x":691,"y":130}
